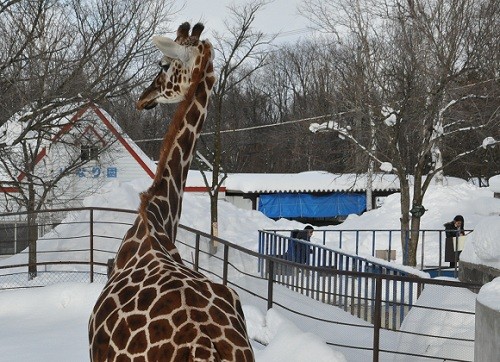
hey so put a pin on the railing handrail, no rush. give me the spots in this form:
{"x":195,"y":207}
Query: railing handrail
{"x":360,"y":230}
{"x":358,"y":258}
{"x":83,"y":208}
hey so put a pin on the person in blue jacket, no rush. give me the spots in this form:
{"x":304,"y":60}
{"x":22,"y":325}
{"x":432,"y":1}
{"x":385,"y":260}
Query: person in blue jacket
{"x":297,"y":251}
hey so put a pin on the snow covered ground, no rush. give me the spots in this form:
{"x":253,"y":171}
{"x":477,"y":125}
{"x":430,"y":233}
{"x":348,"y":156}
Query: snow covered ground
{"x":50,"y":323}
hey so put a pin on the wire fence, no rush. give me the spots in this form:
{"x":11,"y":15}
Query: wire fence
{"x":379,"y":320}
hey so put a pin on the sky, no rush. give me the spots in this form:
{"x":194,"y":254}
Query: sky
{"x":52,"y":320}
{"x":279,"y":16}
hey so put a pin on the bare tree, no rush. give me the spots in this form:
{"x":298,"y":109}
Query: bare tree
{"x":54,"y":57}
{"x":240,"y":52}
{"x":416,"y":58}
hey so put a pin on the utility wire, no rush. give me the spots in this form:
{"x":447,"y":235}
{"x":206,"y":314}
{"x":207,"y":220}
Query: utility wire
{"x":255,"y":127}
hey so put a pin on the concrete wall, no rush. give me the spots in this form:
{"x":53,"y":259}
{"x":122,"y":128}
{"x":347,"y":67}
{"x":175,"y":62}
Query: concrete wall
{"x":487,"y":335}
{"x":476,"y":273}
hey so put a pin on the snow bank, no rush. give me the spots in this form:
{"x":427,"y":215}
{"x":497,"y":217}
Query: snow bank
{"x":483,"y":244}
{"x":489,"y":295}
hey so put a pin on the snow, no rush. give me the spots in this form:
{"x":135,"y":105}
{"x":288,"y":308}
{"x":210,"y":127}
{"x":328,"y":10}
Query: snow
{"x":494,"y":183}
{"x":391,"y":120}
{"x":488,"y":141}
{"x":445,"y":323}
{"x":52,"y":320}
{"x":319,"y":127}
{"x":386,"y":166}
{"x":482,"y":246}
{"x":310,"y":181}
{"x":489,"y":295}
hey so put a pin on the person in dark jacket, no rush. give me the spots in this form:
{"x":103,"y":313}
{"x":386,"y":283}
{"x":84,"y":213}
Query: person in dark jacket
{"x":299,"y":252}
{"x":453,"y":230}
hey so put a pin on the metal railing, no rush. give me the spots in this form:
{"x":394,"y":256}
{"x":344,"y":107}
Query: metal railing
{"x":351,"y":292}
{"x":379,"y":243}
{"x":79,"y":247}
{"x":382,"y":298}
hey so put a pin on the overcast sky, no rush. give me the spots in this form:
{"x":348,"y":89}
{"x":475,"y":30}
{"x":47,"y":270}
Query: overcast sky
{"x":279,"y":16}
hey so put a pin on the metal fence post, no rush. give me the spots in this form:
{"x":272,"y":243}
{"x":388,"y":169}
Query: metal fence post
{"x":440,"y":253}
{"x":377,"y":318}
{"x":91,"y":245}
{"x":357,"y":242}
{"x":270,"y":279}
{"x":197,"y":252}
{"x":261,"y":250}
{"x":422,"y":260}
{"x":225,"y":265}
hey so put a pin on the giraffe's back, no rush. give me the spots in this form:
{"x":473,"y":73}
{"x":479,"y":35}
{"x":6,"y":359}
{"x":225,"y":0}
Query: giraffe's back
{"x":163,"y":311}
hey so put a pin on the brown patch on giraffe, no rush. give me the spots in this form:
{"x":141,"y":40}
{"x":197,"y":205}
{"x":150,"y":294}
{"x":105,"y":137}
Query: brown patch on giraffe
{"x":198,"y":315}
{"x":183,"y":354}
{"x":218,"y":316}
{"x":186,"y":334}
{"x":169,"y":284}
{"x":160,"y":330}
{"x":146,"y":259}
{"x":167,"y":349}
{"x":212,"y":330}
{"x":138,"y":343}
{"x":136,"y":321}
{"x":164,"y":306}
{"x":154,"y":353}
{"x":128,"y":293}
{"x":179,"y":317}
{"x":145,"y":298}
{"x":137,"y":276}
{"x":152,"y":280}
{"x":202,"y":97}
{"x":122,"y":334}
{"x":225,"y":349}
{"x":235,"y":337}
{"x":108,"y":306}
{"x":244,"y":355}
{"x":194,"y":299}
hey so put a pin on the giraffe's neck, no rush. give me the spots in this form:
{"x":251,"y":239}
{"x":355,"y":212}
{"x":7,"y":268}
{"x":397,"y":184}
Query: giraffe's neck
{"x":160,"y":208}
{"x":161,"y":204}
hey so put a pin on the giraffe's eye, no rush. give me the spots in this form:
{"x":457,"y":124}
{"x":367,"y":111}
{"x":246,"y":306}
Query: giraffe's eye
{"x":164,"y":65}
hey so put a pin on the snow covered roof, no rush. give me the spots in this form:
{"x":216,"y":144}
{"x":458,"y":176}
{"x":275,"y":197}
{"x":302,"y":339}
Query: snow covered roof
{"x":311,"y":181}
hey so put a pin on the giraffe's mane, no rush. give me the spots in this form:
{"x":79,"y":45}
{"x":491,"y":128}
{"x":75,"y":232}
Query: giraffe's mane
{"x":172,"y":132}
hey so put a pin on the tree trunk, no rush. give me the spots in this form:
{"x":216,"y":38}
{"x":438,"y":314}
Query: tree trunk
{"x":413,"y":241}
{"x":405,"y":217}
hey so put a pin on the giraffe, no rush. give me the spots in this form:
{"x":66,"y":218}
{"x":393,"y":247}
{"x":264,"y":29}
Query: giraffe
{"x":153,"y":307}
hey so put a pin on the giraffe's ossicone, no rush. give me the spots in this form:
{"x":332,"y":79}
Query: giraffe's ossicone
{"x":153,"y":307}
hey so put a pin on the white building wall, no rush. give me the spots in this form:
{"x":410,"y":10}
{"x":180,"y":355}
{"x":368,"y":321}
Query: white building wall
{"x":240,"y":202}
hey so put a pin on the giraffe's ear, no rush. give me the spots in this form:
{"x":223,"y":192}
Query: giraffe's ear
{"x":170,"y":48}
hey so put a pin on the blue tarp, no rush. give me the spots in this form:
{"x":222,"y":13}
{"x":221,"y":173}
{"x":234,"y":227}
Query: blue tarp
{"x":310,"y":206}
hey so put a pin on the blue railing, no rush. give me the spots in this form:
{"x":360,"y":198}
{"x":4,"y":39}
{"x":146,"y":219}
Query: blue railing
{"x":333,"y":276}
{"x":382,"y":244}
{"x":285,"y":247}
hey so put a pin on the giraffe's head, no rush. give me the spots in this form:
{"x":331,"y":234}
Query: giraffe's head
{"x":180,"y":58}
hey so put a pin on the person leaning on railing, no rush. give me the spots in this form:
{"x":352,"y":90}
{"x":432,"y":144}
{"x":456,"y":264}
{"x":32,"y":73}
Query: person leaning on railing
{"x":453,"y":230}
{"x":299,"y":252}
